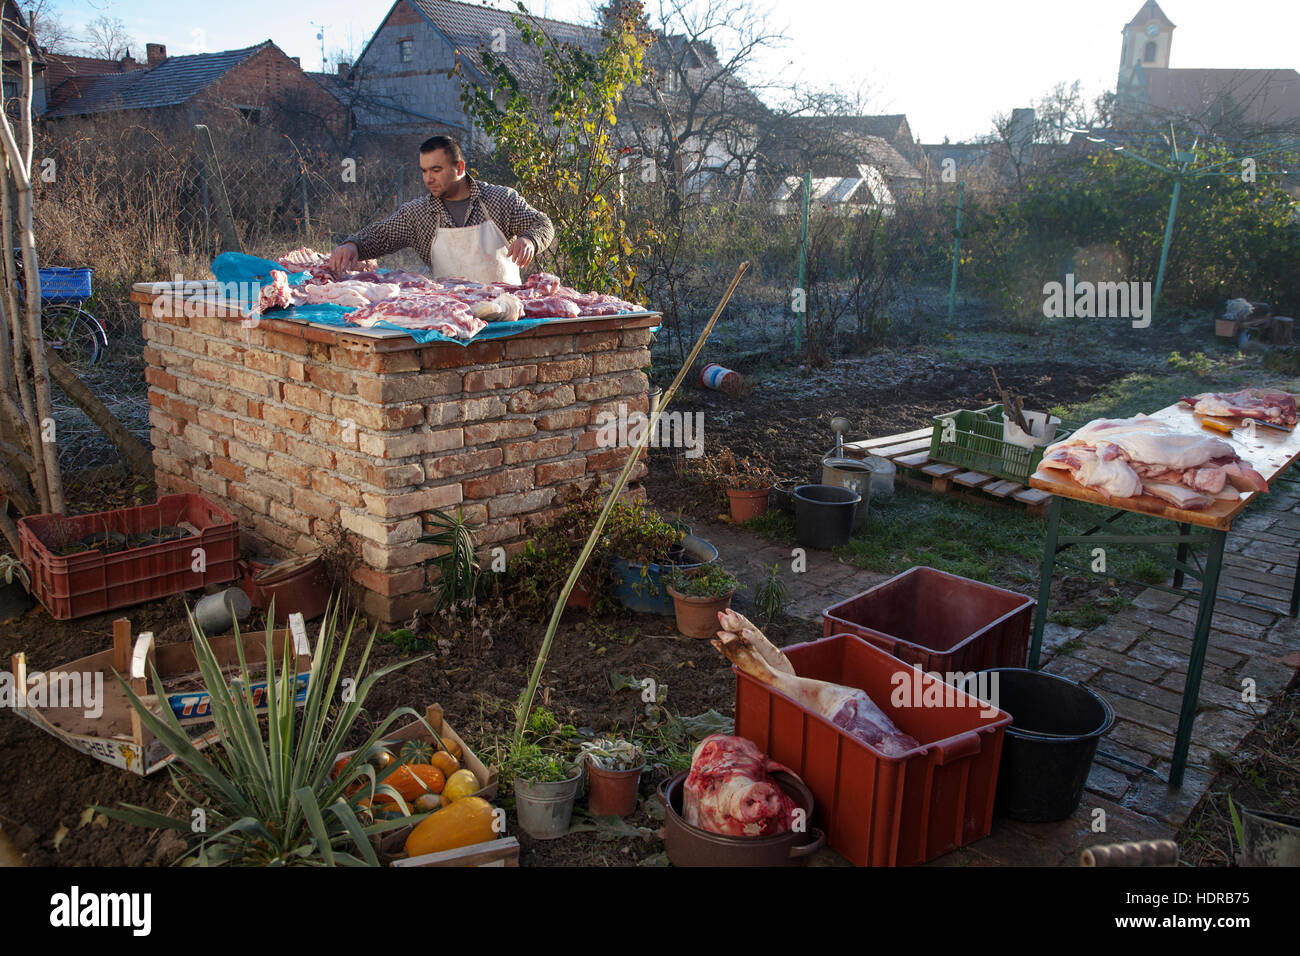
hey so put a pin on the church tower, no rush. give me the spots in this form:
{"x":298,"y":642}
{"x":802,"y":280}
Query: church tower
{"x":1147,"y":38}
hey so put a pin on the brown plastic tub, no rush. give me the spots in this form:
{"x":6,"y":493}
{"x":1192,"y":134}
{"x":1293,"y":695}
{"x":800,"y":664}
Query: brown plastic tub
{"x":691,"y":846}
{"x":938,"y":621}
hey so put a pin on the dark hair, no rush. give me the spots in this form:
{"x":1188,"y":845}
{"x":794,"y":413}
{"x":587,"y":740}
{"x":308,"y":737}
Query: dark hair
{"x":446,"y":144}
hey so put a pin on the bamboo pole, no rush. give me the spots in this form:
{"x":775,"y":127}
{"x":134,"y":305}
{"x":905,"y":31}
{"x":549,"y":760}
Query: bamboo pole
{"x":526,"y":699}
{"x":45,"y":450}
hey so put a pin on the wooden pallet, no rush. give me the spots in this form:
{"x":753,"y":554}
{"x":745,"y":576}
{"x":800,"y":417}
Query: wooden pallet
{"x":910,"y":453}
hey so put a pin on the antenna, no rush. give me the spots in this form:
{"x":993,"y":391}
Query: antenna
{"x":320,"y":35}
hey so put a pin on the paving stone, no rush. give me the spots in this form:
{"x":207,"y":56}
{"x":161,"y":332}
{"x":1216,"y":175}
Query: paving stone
{"x":1124,"y":686}
{"x":1261,"y":521}
{"x":1160,"y":656}
{"x":1110,"y":748}
{"x":1244,"y":561}
{"x":1272,"y":576}
{"x":1010,"y":845}
{"x":1216,"y":691}
{"x":1055,"y":635}
{"x":1153,"y":798}
{"x":1152,"y":717}
{"x":1215,"y":652}
{"x":1286,"y":632}
{"x":1271,"y":676}
{"x":1065,"y":665}
{"x":1107,"y":782}
{"x":1268,"y":552}
{"x":1120,"y":663}
{"x":1154,"y":600}
{"x":1221,"y":729}
{"x":1115,"y":635}
{"x":1155,"y":743}
{"x":1232,"y":618}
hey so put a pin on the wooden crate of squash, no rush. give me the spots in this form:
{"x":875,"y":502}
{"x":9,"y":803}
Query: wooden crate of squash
{"x":464,"y":831}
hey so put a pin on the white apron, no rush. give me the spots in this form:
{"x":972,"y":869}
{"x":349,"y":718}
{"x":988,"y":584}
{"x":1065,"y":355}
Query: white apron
{"x":475,"y":252}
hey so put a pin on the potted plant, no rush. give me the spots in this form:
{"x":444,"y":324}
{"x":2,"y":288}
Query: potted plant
{"x":545,"y":782}
{"x":640,"y":545}
{"x":748,"y":485}
{"x":698,"y":595}
{"x":613,"y":774}
{"x":538,"y":574}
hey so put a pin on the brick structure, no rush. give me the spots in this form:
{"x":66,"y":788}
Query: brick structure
{"x":296,"y":428}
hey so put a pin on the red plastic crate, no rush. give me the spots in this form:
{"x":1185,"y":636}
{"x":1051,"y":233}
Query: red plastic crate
{"x":938,"y":621}
{"x":91,"y":582}
{"x":878,"y":810}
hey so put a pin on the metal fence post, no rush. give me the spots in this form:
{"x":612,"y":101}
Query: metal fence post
{"x":956,"y":253}
{"x":803,"y":262}
{"x":225,"y":218}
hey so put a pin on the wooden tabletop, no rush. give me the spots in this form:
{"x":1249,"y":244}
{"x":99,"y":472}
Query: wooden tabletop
{"x":1269,"y":452}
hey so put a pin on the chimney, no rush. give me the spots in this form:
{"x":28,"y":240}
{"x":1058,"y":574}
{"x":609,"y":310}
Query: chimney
{"x":155,"y":52}
{"x":345,"y":67}
{"x":1021,"y":134}
{"x":127,"y":63}
{"x":296,"y":62}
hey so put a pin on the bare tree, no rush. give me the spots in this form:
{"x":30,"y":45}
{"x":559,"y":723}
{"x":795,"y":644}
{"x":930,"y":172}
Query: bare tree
{"x":107,"y":38}
{"x":29,"y":466}
{"x":52,"y":34}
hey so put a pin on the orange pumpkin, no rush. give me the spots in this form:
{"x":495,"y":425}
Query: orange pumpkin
{"x":445,"y":762}
{"x":413,"y":779}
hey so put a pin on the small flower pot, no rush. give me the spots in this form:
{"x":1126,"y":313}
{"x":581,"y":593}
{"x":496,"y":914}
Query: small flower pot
{"x":545,"y":809}
{"x":579,"y":596}
{"x":612,"y":793}
{"x":698,"y":616}
{"x":748,"y":503}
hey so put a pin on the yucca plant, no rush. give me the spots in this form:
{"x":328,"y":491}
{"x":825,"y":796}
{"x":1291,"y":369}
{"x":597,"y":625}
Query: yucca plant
{"x":265,"y":788}
{"x":458,"y":581}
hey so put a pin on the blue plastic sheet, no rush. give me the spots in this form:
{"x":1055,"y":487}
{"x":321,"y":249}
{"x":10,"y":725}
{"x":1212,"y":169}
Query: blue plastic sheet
{"x":255,"y":273}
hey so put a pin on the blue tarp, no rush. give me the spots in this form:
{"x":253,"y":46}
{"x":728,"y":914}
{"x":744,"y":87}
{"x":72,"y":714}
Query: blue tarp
{"x":237,"y":267}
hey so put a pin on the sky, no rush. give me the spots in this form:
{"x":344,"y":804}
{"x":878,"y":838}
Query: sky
{"x":950,"y":65}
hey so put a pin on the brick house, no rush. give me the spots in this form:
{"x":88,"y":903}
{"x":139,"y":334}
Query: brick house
{"x":258,"y":85}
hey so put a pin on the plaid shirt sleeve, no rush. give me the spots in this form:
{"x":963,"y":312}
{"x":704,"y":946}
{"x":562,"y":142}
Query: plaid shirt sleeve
{"x":511,"y":212}
{"x":412,"y":222}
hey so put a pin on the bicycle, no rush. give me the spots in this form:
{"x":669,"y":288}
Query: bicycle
{"x":76,"y":335}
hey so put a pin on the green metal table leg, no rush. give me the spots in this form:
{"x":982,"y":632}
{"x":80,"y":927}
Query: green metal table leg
{"x":1295,"y":590}
{"x":1183,"y":529}
{"x":1045,"y":580}
{"x":1196,"y":663}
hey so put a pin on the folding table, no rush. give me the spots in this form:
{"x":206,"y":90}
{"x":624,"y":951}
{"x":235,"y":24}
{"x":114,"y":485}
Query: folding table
{"x":1268,"y":451}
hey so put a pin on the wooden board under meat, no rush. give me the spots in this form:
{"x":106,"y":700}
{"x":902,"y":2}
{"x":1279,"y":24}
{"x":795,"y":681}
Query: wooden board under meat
{"x":1269,"y":452}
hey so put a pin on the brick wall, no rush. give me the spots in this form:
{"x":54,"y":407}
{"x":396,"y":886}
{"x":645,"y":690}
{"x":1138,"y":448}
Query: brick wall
{"x":295,"y":428}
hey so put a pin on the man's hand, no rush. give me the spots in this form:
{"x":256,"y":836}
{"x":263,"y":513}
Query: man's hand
{"x":521,"y":251}
{"x":344,"y":257}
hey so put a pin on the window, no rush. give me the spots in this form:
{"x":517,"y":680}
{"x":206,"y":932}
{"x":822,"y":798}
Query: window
{"x":251,"y":115}
{"x":406,"y":50}
{"x":1149,"y":54}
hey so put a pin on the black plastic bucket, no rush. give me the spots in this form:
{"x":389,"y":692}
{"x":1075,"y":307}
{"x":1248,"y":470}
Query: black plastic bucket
{"x":823,"y":515}
{"x":1056,"y":724}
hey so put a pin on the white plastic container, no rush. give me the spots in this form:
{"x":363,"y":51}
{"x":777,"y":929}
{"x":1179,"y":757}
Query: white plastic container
{"x":1042,"y":429}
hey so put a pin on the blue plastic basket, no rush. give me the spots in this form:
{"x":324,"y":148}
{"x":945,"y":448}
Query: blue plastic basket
{"x":65,"y":285}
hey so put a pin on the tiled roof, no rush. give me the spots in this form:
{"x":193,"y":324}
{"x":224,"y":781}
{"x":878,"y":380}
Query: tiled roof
{"x":470,"y":30}
{"x":170,"y":83}
{"x":835,"y":147}
{"x":1264,"y":97}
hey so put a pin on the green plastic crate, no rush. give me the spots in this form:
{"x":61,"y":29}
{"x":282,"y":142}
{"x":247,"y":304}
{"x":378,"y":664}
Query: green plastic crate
{"x":974,"y":442}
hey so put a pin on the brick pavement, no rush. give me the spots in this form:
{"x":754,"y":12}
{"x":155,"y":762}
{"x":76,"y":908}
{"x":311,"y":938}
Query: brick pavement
{"x":1137,"y":660}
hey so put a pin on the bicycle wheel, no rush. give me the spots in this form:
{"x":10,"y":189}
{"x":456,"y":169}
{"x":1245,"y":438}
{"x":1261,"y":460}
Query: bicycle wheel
{"x":73,"y":333}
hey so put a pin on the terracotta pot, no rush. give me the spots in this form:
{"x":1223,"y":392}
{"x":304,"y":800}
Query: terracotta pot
{"x":748,"y":503}
{"x":698,"y":616}
{"x":579,"y":596}
{"x":612,"y":793}
{"x":299,"y":584}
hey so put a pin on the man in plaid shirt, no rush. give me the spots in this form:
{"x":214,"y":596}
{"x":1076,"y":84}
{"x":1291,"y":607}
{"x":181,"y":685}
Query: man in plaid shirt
{"x":463,"y":227}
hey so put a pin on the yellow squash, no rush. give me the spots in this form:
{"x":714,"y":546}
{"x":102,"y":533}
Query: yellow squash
{"x":464,"y":823}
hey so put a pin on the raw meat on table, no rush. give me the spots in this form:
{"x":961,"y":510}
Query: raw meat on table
{"x":848,"y":708}
{"x":1126,"y":457}
{"x":730,"y":790}
{"x":1266,"y":405}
